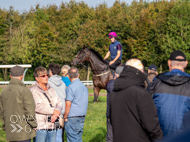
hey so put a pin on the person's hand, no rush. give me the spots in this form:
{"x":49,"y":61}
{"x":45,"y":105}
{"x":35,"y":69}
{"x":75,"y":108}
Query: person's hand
{"x":53,"y":118}
{"x":56,"y":112}
{"x":65,"y":119}
{"x":111,"y":62}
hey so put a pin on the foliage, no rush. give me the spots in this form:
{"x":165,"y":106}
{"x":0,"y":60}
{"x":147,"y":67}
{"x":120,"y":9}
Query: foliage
{"x":148,"y":31}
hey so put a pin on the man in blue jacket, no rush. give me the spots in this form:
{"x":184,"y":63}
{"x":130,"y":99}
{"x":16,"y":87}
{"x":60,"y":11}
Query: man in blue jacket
{"x":171,"y":94}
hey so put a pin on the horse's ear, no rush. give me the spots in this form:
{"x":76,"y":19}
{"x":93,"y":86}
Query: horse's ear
{"x":84,"y":47}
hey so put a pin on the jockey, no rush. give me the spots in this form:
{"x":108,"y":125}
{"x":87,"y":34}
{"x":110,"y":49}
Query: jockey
{"x":115,"y":49}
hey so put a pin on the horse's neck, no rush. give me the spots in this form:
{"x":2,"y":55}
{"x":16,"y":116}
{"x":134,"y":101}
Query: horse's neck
{"x":96,"y":65}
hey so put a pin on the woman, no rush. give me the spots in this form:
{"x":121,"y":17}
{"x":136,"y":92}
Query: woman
{"x":48,"y":105}
{"x":64,"y":71}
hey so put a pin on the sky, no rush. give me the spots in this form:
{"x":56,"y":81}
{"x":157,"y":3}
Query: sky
{"x":25,"y":5}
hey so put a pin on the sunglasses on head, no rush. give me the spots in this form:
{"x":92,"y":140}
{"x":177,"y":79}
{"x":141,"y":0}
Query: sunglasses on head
{"x":44,"y":75}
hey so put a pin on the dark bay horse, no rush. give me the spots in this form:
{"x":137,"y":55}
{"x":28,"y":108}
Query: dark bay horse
{"x":100,"y":68}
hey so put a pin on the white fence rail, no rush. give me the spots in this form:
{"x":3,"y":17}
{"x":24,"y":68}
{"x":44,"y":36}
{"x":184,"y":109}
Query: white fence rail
{"x":90,"y":83}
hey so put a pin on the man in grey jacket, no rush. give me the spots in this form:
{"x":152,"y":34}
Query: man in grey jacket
{"x":56,"y":82}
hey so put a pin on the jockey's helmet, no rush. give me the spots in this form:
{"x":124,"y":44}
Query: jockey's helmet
{"x":112,"y":34}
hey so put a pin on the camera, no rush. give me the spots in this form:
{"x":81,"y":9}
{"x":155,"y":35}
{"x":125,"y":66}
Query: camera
{"x":57,"y":125}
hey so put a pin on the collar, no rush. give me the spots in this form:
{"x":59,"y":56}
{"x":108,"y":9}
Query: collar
{"x":75,"y":80}
{"x":16,"y":81}
{"x":176,"y":70}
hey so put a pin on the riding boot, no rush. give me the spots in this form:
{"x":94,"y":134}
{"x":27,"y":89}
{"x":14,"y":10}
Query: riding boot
{"x":113,"y":72}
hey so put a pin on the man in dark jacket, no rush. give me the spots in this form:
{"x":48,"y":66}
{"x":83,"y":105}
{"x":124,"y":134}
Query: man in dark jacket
{"x":109,"y":88}
{"x":171,"y":94}
{"x":17,"y":109}
{"x":152,"y":72}
{"x":132,"y":110}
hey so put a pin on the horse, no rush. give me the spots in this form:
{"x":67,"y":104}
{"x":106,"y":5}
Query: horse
{"x":100,"y":68}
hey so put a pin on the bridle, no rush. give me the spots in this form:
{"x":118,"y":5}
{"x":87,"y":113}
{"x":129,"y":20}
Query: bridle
{"x":81,"y":58}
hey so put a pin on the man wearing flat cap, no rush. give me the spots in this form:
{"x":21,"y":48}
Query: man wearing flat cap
{"x":171,"y":94}
{"x":17,"y":109}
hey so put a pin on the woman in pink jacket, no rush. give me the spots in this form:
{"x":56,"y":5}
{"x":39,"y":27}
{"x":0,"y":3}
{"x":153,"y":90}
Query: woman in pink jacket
{"x":48,"y":105}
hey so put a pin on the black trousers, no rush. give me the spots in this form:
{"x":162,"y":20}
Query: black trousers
{"x":115,"y":64}
{"x":109,"y":136}
{"x":63,"y":129}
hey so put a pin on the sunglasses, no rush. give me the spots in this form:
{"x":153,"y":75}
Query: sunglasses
{"x":44,"y":75}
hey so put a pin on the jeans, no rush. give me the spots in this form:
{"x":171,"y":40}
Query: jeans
{"x":45,"y":135}
{"x":59,"y":135}
{"x":74,"y":129}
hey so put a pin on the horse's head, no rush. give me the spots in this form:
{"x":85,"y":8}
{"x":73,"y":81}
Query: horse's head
{"x":80,"y":57}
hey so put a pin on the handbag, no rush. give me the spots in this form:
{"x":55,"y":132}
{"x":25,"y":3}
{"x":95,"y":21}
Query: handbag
{"x":61,"y":120}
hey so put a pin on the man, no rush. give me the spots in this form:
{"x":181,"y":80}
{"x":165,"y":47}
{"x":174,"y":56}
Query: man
{"x":17,"y":108}
{"x":76,"y":107}
{"x":132,"y":110}
{"x":115,"y":49}
{"x":171,"y":95}
{"x":56,"y":82}
{"x":109,"y":88}
{"x":152,"y":72}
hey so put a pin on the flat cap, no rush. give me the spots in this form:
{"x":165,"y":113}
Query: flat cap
{"x":17,"y":71}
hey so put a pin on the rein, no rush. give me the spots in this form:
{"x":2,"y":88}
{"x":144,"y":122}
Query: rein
{"x":102,"y":74}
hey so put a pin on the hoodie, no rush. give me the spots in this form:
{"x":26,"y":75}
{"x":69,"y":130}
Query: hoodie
{"x":56,"y":82}
{"x":170,"y":91}
{"x":132,"y":110}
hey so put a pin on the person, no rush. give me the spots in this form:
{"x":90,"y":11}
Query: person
{"x":133,"y":114}
{"x":152,"y":73}
{"x":109,"y":88}
{"x":56,"y":82}
{"x":115,"y":49}
{"x":65,"y":78}
{"x":17,"y":109}
{"x":76,"y":107}
{"x":184,"y":135}
{"x":170,"y":91}
{"x":48,"y":106}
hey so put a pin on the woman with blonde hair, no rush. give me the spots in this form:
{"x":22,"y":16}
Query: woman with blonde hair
{"x":64,"y":71}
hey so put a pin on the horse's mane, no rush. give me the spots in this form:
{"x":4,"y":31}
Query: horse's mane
{"x":99,"y":56}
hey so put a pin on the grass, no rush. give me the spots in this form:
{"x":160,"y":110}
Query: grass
{"x":90,"y":90}
{"x":95,"y":122}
